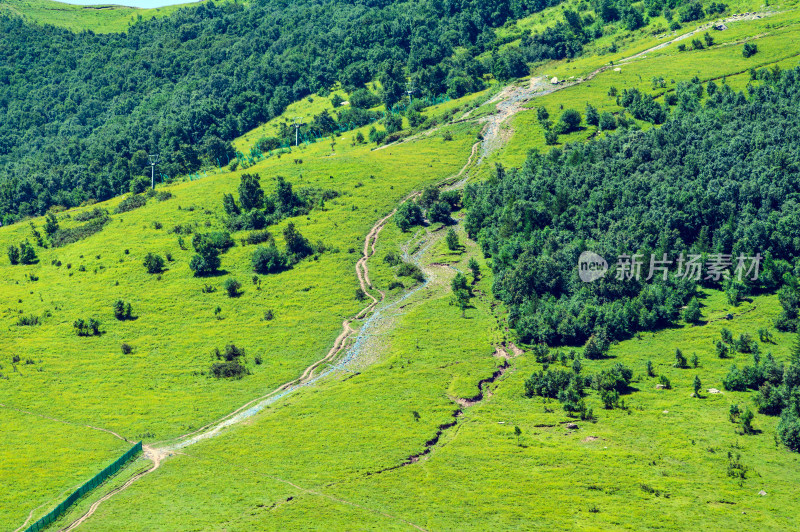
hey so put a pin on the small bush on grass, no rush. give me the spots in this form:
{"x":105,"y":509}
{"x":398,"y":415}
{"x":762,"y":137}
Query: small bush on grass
{"x":233,"y":287}
{"x":130,"y":203}
{"x":153,"y":263}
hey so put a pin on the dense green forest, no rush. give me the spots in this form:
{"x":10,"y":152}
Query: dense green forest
{"x":78,"y":112}
{"x":75,"y":108}
{"x":719,"y":178}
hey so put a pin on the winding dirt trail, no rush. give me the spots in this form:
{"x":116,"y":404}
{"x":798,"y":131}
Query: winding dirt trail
{"x":158,"y":454}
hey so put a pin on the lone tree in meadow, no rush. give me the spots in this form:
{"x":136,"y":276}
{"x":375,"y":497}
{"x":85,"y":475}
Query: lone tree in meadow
{"x":297,"y":247}
{"x":680,"y":360}
{"x":697,"y":386}
{"x":749,"y":50}
{"x":207,"y":260}
{"x":461,"y":292}
{"x":747,"y":421}
{"x":475,"y":268}
{"x":692,"y":312}
{"x":251,"y":195}
{"x":233,"y":287}
{"x":570,"y":121}
{"x":452,"y":240}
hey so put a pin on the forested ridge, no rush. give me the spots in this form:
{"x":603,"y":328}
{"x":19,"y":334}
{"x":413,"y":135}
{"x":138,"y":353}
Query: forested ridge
{"x":75,"y":108}
{"x":719,"y":178}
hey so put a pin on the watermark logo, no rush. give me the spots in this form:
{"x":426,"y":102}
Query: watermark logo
{"x":717,"y":267}
{"x":591,"y":266}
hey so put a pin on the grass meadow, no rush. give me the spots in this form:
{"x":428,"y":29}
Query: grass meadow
{"x":330,"y":456}
{"x":159,"y":391}
{"x":99,"y":19}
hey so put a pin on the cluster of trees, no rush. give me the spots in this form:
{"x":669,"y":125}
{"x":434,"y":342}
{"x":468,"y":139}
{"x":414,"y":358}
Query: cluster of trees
{"x":437,"y":206}
{"x":208,"y":247}
{"x":642,"y":106}
{"x":229,"y":363}
{"x":257,"y":210}
{"x":80,"y":112}
{"x":269,"y":259}
{"x":324,"y":124}
{"x":716,"y":179}
{"x":90,"y":327}
{"x":778,"y":387}
{"x":568,"y":387}
{"x":123,"y":311}
{"x":25,"y":253}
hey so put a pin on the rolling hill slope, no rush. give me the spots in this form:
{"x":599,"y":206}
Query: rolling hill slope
{"x":414,"y":423}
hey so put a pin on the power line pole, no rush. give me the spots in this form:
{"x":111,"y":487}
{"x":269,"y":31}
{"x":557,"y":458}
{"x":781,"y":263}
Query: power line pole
{"x":153,"y":162}
{"x":296,"y":125}
{"x":410,"y":90}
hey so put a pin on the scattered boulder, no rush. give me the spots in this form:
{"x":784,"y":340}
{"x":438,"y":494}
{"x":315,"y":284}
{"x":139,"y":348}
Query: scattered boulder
{"x":762,"y":493}
{"x":713,"y":390}
{"x":659,"y":386}
{"x":571,"y":426}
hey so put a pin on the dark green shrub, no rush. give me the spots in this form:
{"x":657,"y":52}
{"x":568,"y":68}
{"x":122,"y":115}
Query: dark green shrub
{"x":268,"y":260}
{"x":87,"y":328}
{"x":570,"y":121}
{"x":153,"y":263}
{"x":408,"y":215}
{"x":233,"y":287}
{"x":130,"y":203}
{"x":123,"y":311}
{"x":297,"y":246}
{"x":85,"y":216}
{"x":407,"y":269}
{"x":27,"y":254}
{"x":13,"y":254}
{"x":28,"y":321}
{"x":229,"y":370}
{"x":258,"y":237}
{"x":749,"y":49}
{"x":439,"y":212}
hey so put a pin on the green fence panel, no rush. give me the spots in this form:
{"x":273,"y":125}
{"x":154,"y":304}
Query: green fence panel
{"x":92,"y":483}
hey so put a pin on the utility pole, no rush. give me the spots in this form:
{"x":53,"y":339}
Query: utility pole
{"x":296,"y":125}
{"x":410,"y":90}
{"x":153,"y":162}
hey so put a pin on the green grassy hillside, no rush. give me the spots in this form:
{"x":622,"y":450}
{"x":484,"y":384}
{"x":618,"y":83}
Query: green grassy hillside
{"x":99,"y":19}
{"x":161,"y":389}
{"x":414,"y":425}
